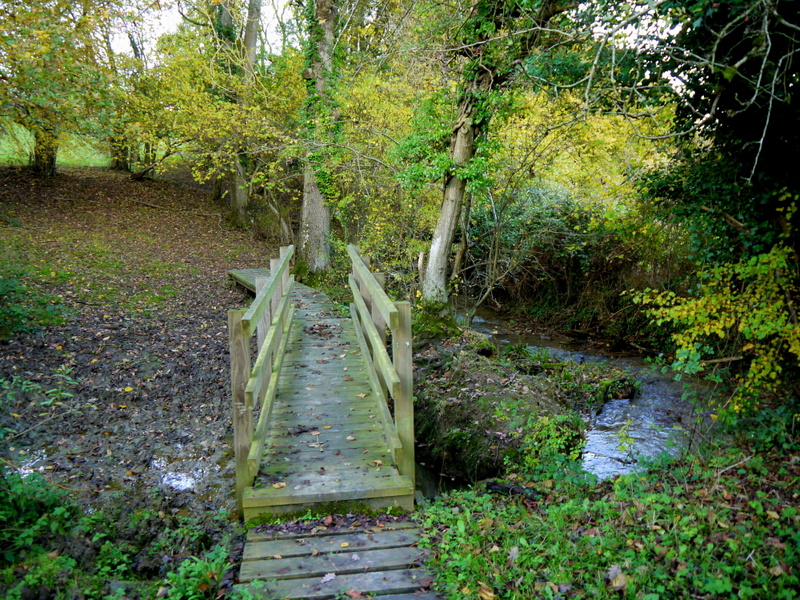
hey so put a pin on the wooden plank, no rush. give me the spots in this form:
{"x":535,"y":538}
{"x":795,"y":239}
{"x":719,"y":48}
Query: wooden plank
{"x":247,"y":277}
{"x":381,"y":357}
{"x":340,"y":563}
{"x":404,"y":399}
{"x":257,"y":534}
{"x":318,"y":544}
{"x":326,"y":491}
{"x":242,"y":414}
{"x":264,"y":296}
{"x":379,"y":298}
{"x":387,"y":582}
{"x":388,"y":422}
{"x":260,"y":436}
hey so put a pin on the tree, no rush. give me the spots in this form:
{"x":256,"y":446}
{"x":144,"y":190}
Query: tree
{"x":53,"y":72}
{"x":494,"y":37}
{"x":320,"y":123}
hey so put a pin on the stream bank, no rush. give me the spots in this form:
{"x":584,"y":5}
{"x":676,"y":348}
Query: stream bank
{"x":495,"y":402}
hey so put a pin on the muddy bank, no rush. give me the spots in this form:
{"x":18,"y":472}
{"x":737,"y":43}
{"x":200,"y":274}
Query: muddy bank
{"x":126,"y":402}
{"x":484,"y":410}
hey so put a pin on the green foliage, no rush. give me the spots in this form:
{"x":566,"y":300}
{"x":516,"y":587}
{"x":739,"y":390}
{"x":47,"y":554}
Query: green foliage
{"x":199,"y":578}
{"x":567,"y":262}
{"x":545,"y":438}
{"x":743,"y":315}
{"x":31,"y":512}
{"x":24,"y":308}
{"x":433,"y":321}
{"x":700,"y":525}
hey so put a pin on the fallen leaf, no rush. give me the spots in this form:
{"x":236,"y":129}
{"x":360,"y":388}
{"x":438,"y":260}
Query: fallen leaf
{"x":776,"y":571}
{"x":315,"y":552}
{"x":362,"y":395}
{"x":485,"y":592}
{"x":279,"y":485}
{"x":327,"y":520}
{"x":513,"y":553}
{"x":128,"y":389}
{"x":344,"y":545}
{"x":616,"y":578}
{"x":327,"y":426}
{"x":377,"y":463}
{"x":328,"y":577}
{"x":277,"y":556}
{"x":315,"y":433}
{"x":773,"y":515}
{"x":351,"y":593}
{"x":350,"y":438}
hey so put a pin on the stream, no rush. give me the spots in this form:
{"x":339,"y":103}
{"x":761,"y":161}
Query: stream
{"x":623,"y":431}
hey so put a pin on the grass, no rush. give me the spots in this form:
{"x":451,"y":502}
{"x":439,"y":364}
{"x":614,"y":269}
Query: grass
{"x":16,"y":145}
{"x":716,"y":525}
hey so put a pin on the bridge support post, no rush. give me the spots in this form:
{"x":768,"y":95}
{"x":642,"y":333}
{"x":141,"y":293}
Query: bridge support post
{"x":404,"y":401}
{"x":242,"y":414}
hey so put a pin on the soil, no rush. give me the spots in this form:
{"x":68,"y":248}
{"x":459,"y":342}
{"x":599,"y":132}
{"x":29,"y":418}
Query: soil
{"x":142,"y":359}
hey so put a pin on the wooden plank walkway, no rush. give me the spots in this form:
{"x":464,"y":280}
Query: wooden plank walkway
{"x":379,"y":561}
{"x":327,"y":441}
{"x":247,"y":277}
{"x":329,"y":447}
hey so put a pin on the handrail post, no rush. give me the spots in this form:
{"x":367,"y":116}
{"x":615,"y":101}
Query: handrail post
{"x":404,"y":402}
{"x":264,"y":325}
{"x":242,"y":415}
{"x":285,"y":279}
{"x":380,"y":325}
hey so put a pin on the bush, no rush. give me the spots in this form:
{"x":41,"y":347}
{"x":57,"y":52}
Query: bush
{"x":741,"y":318}
{"x":31,"y":512}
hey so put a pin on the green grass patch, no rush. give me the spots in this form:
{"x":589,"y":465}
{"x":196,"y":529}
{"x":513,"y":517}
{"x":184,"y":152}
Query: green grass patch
{"x":16,"y":146}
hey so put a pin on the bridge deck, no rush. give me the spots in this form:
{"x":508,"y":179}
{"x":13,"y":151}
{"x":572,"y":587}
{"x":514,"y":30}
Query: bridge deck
{"x":326,"y":443}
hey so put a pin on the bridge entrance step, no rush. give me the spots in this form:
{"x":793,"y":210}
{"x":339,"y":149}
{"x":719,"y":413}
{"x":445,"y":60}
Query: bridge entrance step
{"x":383,"y":562}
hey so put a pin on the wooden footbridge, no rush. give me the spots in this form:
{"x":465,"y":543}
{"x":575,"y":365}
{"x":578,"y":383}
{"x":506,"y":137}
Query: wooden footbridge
{"x":323,"y":420}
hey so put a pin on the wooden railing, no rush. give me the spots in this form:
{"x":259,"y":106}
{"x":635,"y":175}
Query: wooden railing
{"x":390,"y":376}
{"x":270,"y":317}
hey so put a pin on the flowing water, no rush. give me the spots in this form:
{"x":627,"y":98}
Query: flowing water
{"x":623,"y":431}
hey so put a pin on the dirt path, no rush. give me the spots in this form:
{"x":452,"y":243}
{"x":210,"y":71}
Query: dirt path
{"x":142,"y":360}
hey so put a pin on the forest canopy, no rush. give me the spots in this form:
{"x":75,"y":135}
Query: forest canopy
{"x":624,"y":170}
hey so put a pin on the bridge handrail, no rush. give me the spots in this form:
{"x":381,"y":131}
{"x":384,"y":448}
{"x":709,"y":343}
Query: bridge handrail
{"x":372,"y":311}
{"x":269,"y":315}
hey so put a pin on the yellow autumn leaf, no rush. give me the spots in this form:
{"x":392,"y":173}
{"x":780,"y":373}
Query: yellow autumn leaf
{"x":279,"y":485}
{"x":128,"y":389}
{"x":344,"y":545}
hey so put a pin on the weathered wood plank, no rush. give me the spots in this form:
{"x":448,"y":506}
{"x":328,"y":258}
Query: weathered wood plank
{"x":255,"y":535}
{"x":379,"y":298}
{"x":387,"y":582}
{"x":247,"y":277}
{"x":328,"y":491}
{"x":340,"y":563}
{"x":317,"y":544}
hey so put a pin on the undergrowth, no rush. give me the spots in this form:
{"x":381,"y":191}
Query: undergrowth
{"x":51,"y":549}
{"x":717,"y":525}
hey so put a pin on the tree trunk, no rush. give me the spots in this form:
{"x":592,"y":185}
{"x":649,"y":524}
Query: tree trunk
{"x":315,"y":228}
{"x":462,"y":146}
{"x":482,"y":76}
{"x":121,"y":155}
{"x":238,"y":194}
{"x":45,"y":151}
